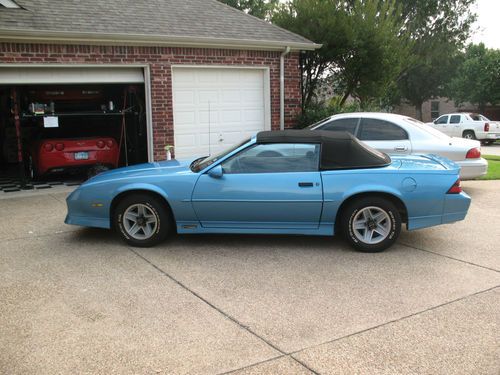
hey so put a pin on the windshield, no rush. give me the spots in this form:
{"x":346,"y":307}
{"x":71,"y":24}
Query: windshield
{"x":427,"y":128}
{"x":201,"y":163}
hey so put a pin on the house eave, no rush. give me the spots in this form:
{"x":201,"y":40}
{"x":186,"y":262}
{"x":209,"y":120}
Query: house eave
{"x":57,"y":37}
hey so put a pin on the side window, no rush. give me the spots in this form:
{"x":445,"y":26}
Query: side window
{"x":455,"y":119}
{"x":442,"y":120}
{"x":274,"y":158}
{"x":343,"y":124}
{"x":380,"y":130}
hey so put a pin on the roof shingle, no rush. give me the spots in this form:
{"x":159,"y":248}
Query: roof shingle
{"x":179,"y":20}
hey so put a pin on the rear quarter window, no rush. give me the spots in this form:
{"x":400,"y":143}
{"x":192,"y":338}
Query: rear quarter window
{"x":380,"y":130}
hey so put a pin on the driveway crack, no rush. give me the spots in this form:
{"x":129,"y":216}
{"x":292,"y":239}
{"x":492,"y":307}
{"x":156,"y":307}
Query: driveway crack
{"x":218,"y":309}
{"x":449,"y":257}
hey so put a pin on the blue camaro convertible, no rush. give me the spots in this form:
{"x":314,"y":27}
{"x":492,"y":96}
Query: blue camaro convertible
{"x":286,"y":182}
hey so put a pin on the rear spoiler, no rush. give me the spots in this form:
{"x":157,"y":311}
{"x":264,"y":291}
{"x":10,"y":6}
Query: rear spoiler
{"x":445,"y":162}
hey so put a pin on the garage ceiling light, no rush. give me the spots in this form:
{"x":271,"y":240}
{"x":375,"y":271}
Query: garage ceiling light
{"x":9,"y":4}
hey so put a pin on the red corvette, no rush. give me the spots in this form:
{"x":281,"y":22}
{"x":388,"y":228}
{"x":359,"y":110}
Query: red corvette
{"x":59,"y":155}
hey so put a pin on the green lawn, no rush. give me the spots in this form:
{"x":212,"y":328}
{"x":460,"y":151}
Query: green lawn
{"x":493,"y":168}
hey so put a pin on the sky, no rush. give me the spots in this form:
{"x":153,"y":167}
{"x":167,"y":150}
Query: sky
{"x":487,"y":27}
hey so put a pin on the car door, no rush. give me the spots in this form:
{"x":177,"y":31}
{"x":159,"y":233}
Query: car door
{"x":455,"y":126}
{"x":384,"y":136}
{"x":441,"y":124}
{"x":267,"y":186}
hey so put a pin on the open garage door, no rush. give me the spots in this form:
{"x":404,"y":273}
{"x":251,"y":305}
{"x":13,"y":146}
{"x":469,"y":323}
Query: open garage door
{"x":68,"y":75}
{"x":215,"y":108}
{"x":59,"y":121}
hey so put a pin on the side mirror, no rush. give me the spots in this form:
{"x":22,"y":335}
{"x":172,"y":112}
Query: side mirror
{"x":216,"y":172}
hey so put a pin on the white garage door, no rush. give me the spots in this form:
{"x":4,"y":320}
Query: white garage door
{"x":223,"y":105}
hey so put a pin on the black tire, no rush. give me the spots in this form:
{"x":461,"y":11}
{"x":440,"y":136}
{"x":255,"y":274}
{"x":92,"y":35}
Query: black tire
{"x":469,"y":134}
{"x":156,"y":207}
{"x":31,"y":168}
{"x":392,"y":223}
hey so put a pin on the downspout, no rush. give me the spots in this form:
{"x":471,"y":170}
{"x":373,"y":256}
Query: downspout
{"x":282,"y":87}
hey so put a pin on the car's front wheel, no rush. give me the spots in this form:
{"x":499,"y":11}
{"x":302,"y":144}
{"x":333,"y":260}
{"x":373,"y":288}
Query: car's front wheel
{"x":142,"y":220}
{"x":371,"y":224}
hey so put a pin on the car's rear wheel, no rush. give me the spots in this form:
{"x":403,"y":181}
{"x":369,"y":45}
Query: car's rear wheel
{"x":32,"y":173}
{"x":142,"y":220}
{"x":469,"y":134}
{"x":371,"y":224}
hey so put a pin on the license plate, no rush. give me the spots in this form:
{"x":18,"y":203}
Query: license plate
{"x":81,"y":155}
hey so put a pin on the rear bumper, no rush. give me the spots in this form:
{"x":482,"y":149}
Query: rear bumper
{"x":61,"y":161}
{"x":470,"y":169}
{"x":487,"y":136}
{"x":455,"y":207}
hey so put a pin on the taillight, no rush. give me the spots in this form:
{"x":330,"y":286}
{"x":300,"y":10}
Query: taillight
{"x":48,"y":146}
{"x":100,"y":144}
{"x":486,"y":127}
{"x":59,"y":146}
{"x":455,"y":188}
{"x":473,"y":153}
{"x":109,"y":142}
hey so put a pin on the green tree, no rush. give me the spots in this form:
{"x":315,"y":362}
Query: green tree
{"x":478,"y":77}
{"x":363,"y":47}
{"x":377,"y":54}
{"x":438,"y":30}
{"x":258,"y":8}
{"x":321,"y":21}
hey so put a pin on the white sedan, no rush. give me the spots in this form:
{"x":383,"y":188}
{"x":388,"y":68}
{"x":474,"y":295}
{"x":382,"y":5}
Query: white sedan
{"x":396,"y":134}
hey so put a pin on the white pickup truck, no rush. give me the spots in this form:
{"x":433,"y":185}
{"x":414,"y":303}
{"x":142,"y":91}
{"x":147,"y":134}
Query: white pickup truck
{"x":468,"y":125}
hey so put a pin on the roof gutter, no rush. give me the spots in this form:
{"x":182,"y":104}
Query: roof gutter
{"x":282,"y":87}
{"x":64,"y":37}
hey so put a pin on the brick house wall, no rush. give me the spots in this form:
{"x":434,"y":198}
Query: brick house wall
{"x":160,"y":60}
{"x":445,"y":106}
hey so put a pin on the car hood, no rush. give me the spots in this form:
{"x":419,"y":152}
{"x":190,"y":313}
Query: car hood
{"x":167,"y":167}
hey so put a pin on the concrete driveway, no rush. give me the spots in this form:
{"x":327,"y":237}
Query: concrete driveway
{"x":491,"y":150}
{"x":76,"y":300}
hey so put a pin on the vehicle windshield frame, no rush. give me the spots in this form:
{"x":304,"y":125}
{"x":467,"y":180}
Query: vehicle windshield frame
{"x":200,"y":164}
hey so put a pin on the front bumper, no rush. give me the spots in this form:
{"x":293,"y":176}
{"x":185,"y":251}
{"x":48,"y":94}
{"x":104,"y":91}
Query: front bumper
{"x":87,"y":211}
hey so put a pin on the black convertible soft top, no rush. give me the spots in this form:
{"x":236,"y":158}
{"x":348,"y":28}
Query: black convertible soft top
{"x":339,"y":150}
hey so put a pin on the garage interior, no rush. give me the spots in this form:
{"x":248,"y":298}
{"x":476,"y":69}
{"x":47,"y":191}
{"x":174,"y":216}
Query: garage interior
{"x":67,"y":111}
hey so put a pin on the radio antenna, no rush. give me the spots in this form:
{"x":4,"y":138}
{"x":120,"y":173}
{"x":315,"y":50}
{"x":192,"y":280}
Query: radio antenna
{"x":209,"y":131}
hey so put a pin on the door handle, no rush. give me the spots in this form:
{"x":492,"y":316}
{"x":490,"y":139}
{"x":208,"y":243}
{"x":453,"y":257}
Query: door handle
{"x":306,"y":184}
{"x":400,"y":148}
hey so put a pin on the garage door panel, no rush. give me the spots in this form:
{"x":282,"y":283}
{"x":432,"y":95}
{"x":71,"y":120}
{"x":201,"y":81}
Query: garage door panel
{"x":230,"y":96}
{"x":253,"y":116}
{"x":69,"y":75}
{"x":185,"y":98}
{"x":186,"y":117}
{"x":203,"y":124}
{"x":233,"y":99}
{"x":230,"y":117}
{"x":207,"y":96}
{"x":184,"y":78}
{"x":252,"y":96}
